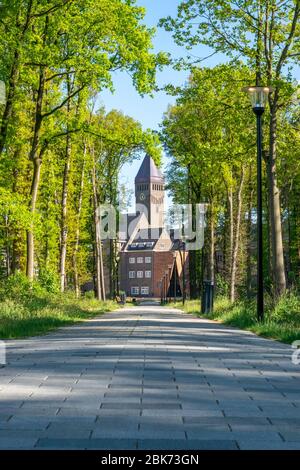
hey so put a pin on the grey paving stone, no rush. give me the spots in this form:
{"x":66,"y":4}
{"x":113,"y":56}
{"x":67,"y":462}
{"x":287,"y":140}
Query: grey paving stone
{"x":158,"y":420}
{"x":26,"y":423}
{"x":112,"y":444}
{"x":267,"y":445}
{"x":120,"y":412}
{"x":164,"y":444}
{"x":291,"y":435}
{"x":209,"y":434}
{"x":67,"y":432}
{"x":110,"y":400}
{"x":250,"y":427}
{"x":4,"y":417}
{"x":242,"y":411}
{"x":22,"y":443}
{"x":115,"y":433}
{"x":61,"y":444}
{"x":36,"y":410}
{"x":257,"y":435}
{"x":116,"y":405}
{"x":19,"y":434}
{"x":41,"y":404}
{"x":287,"y":423}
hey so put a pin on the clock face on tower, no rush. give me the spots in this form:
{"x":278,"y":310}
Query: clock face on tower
{"x":142,"y":197}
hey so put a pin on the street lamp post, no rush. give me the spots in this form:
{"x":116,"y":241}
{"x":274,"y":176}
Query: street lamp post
{"x":175,"y":274}
{"x":259,"y":97}
{"x":167,"y":284}
{"x":170,"y":266}
{"x":181,"y":249}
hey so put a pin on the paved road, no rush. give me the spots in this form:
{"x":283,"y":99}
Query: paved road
{"x":149,"y":378}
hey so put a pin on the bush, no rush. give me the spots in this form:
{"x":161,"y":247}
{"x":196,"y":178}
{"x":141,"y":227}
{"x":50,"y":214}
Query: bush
{"x":49,"y":280}
{"x":16,"y":286}
{"x":287,"y":310}
{"x":222,"y":288}
{"x":282,"y":320}
{"x":89,"y":294}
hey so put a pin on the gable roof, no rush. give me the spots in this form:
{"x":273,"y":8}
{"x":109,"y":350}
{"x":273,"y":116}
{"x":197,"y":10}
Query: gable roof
{"x":149,"y":172}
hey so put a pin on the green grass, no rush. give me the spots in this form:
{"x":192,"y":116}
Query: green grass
{"x":282,"y":322}
{"x":37,"y":314}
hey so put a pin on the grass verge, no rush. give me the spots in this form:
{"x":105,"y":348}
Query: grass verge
{"x":282,"y":321}
{"x":39,"y":314}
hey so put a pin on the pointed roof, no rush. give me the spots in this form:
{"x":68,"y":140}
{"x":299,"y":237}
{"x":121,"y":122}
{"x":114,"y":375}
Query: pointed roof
{"x":149,"y":172}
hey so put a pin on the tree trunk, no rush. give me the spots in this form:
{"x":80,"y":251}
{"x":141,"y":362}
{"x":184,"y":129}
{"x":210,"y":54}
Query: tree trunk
{"x":275,"y":211}
{"x":77,"y":235}
{"x":64,"y":213}
{"x":13,"y":79}
{"x":211,"y":253}
{"x":32,"y":205}
{"x":235,"y":249}
{"x":98,"y":243}
{"x":249,"y":237}
{"x":112,"y":269}
{"x":35,"y":157}
{"x":229,"y":251}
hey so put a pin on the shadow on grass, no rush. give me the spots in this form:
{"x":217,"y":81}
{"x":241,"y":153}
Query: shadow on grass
{"x":282,"y":321}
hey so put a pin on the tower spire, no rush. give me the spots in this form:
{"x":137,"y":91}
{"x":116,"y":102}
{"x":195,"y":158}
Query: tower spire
{"x":149,"y":192}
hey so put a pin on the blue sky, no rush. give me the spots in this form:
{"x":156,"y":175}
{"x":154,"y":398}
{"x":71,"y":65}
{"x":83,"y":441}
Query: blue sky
{"x":147,"y":110}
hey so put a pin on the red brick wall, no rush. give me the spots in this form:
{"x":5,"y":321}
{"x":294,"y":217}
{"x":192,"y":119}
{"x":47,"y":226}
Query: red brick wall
{"x":161,"y":261}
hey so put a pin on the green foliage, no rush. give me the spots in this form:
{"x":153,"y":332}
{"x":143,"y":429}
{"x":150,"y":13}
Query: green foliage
{"x":222,"y":287}
{"x":287,"y":310}
{"x":89,"y":295}
{"x":264,"y":35}
{"x":237,"y":29}
{"x":49,"y":280}
{"x":15,"y":287}
{"x":55,"y":58}
{"x":13,"y":209}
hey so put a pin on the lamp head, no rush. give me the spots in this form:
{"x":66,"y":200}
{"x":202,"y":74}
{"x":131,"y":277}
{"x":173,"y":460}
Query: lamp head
{"x":258,"y":97}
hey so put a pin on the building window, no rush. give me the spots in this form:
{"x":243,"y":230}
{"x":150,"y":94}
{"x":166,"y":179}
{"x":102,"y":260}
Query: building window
{"x":140,"y":260}
{"x":131,"y":274}
{"x":131,"y":260}
{"x":140,"y":274}
{"x":148,"y":259}
{"x":148,"y":274}
{"x":135,"y":291}
{"x":145,"y":290}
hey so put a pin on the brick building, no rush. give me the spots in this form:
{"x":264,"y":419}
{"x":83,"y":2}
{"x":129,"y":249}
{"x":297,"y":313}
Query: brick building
{"x":152,"y":263}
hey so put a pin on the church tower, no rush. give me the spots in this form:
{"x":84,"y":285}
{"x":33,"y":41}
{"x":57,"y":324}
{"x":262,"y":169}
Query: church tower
{"x":149,"y":192}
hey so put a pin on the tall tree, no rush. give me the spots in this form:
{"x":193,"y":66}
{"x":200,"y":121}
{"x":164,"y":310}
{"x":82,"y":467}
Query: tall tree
{"x":266,"y":34}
